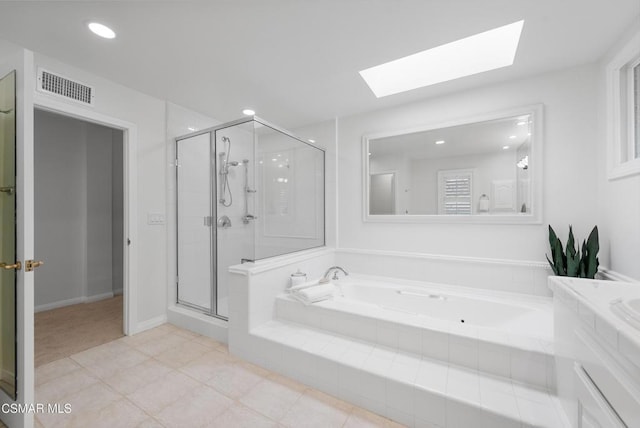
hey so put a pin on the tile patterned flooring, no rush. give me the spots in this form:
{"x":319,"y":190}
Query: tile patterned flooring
{"x":170,"y":377}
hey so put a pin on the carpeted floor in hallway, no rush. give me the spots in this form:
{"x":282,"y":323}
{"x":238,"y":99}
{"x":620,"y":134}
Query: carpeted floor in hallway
{"x":65,"y":331}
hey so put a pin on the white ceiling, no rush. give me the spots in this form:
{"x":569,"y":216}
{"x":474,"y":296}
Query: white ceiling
{"x":296,"y":61}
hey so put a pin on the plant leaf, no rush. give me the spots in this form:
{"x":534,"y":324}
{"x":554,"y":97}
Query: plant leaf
{"x":592,"y":247}
{"x":571,"y":247}
{"x":553,"y":267}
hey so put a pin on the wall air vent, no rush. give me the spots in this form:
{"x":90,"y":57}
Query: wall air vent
{"x":55,"y":84}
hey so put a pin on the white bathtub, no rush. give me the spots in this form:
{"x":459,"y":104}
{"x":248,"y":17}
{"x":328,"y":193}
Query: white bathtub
{"x":505,"y":334}
{"x":529,"y":316}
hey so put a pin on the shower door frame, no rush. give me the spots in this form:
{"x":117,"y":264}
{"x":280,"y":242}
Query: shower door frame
{"x":214,"y":204}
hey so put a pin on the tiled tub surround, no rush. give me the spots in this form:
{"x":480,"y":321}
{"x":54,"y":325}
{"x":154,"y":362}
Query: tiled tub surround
{"x":414,"y":390}
{"x":583,"y":308}
{"x":436,"y":376}
{"x":503,"y":334}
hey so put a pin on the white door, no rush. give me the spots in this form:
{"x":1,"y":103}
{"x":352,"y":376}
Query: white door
{"x":16,"y":229}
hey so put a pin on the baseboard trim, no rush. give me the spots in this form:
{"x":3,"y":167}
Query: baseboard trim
{"x":98,"y":297}
{"x":445,"y":258}
{"x":149,"y":324}
{"x":74,"y":301}
{"x":59,"y":304}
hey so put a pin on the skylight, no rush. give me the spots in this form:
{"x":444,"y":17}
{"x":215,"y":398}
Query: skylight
{"x":474,"y":54}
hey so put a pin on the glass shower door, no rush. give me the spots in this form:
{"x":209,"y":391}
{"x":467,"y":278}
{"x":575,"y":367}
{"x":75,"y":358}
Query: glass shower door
{"x":235,"y":225}
{"x":195,"y":186}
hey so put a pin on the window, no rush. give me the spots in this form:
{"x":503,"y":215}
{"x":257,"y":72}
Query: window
{"x":455,"y":190}
{"x":635,"y":108}
{"x":623,"y":110}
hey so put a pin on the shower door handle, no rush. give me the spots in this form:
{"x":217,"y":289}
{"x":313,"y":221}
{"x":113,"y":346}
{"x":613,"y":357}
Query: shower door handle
{"x":208,"y":221}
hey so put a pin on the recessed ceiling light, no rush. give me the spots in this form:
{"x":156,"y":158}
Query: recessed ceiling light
{"x":521,"y":123}
{"x":101,"y":30}
{"x":191,"y":128}
{"x":248,"y":112}
{"x":505,"y":147}
{"x":512,"y":137}
{"x":475,"y":54}
{"x":312,"y":141}
{"x":440,"y":142}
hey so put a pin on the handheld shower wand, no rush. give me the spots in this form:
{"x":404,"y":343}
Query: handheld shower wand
{"x":224,"y":173}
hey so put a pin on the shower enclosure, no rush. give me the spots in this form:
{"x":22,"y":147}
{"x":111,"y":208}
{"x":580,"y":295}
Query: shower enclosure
{"x":246,"y":190}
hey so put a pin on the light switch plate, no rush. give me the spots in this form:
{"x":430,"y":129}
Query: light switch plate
{"x":155,"y":219}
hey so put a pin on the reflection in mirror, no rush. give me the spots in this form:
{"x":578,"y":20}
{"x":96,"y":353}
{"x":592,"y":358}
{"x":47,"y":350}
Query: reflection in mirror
{"x":479,"y":168}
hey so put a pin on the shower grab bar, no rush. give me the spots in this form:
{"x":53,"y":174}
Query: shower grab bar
{"x":246,"y":218}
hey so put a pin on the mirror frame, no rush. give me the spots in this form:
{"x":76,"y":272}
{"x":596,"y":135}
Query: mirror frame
{"x":536,"y":171}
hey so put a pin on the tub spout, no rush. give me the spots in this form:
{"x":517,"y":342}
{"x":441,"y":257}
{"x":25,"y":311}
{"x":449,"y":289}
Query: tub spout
{"x":335,"y":270}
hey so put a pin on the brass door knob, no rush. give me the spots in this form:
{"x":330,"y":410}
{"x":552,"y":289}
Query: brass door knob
{"x":30,"y":265}
{"x":16,"y":266}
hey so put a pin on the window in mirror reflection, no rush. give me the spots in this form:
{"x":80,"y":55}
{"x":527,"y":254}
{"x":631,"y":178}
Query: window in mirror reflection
{"x":478,"y":168}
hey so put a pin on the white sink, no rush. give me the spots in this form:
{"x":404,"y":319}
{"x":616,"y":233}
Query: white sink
{"x":628,"y":310}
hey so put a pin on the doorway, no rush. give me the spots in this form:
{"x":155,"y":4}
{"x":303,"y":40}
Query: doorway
{"x":79,"y":228}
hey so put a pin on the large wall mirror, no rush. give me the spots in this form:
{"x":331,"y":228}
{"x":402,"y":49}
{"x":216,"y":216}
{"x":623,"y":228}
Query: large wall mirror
{"x":485,"y":169}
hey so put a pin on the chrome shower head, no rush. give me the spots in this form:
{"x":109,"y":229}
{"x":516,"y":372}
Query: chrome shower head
{"x":225,"y":139}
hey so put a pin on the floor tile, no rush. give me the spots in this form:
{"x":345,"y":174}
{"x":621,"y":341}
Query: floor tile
{"x":360,"y":418}
{"x":60,"y":387}
{"x":157,"y":395}
{"x":55,"y":369}
{"x":121,"y":413}
{"x":200,"y":407}
{"x":206,"y":366}
{"x":149,"y":423}
{"x":178,"y":356}
{"x":160,"y":344}
{"x":316,"y":410}
{"x":234,"y":379}
{"x":272,"y":399}
{"x":238,"y":416}
{"x":87,"y":400}
{"x":129,"y":380}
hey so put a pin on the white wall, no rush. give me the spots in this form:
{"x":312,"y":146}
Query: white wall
{"x":619,"y":205}
{"x":60,"y":209}
{"x":73,"y":215}
{"x":148,"y":115}
{"x":99,"y":232}
{"x":569,"y":98}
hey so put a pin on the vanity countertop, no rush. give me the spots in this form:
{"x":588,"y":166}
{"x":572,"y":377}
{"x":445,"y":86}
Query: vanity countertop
{"x":593,"y":301}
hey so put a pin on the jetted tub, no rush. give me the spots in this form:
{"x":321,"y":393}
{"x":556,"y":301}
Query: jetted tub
{"x":510,"y":312}
{"x":504,"y":334}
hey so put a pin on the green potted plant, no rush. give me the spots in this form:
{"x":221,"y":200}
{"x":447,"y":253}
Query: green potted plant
{"x":569,"y":261}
